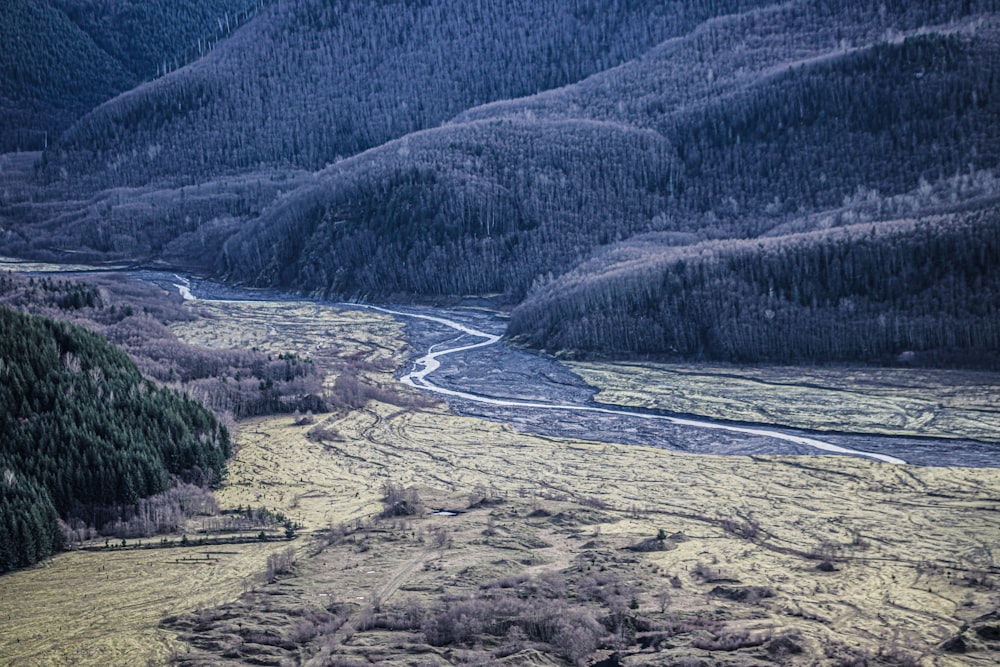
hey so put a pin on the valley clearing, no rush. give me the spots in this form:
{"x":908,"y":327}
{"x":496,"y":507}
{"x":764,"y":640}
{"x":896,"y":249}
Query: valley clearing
{"x":682,"y":559}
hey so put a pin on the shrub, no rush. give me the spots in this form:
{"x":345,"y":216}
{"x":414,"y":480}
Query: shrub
{"x":400,"y":501}
{"x":279,"y":563}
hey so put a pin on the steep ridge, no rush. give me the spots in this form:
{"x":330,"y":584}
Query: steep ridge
{"x":749,"y":124}
{"x":307,"y":82}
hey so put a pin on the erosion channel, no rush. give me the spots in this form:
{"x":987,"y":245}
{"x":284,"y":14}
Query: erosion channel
{"x":460,"y":356}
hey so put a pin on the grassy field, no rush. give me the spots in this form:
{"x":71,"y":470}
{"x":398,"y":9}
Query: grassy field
{"x":911,"y":549}
{"x":28,"y":266}
{"x":885,"y":401}
{"x":306,"y":329}
{"x":908,"y":555}
{"x":96,"y":608}
{"x":103,"y":608}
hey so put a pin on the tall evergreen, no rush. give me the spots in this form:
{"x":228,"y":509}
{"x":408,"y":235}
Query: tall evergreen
{"x":80,"y":428}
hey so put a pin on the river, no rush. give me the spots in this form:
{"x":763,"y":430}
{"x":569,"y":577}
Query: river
{"x":460,"y":357}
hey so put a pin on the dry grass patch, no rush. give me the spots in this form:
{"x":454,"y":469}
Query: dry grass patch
{"x":103,"y":608}
{"x":837,"y":558}
{"x":914,"y":402}
{"x":320,"y":332}
{"x":910,"y":550}
{"x":29,"y":266}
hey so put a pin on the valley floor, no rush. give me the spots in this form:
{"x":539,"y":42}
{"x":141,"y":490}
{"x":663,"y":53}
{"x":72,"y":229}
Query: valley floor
{"x":680,"y":558}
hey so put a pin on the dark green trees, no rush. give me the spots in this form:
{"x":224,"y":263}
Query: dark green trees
{"x":80,"y":428}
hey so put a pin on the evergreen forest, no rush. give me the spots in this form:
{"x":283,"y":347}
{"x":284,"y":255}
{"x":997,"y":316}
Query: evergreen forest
{"x":915,"y":292}
{"x":434,"y":150}
{"x":62,"y":58}
{"x":82,"y":429}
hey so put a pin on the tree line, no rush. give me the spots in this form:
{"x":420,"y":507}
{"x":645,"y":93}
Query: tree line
{"x":81,"y":428}
{"x":924,"y":292}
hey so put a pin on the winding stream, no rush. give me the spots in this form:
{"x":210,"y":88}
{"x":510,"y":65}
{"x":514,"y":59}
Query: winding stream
{"x":462,"y":361}
{"x":429,"y":363}
{"x":460,"y":358}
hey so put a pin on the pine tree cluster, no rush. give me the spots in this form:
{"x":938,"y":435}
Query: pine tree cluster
{"x":80,"y":427}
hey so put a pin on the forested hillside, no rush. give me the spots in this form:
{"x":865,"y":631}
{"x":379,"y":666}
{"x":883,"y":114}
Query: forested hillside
{"x":51,"y":72}
{"x":81,"y":428}
{"x":919,"y":292}
{"x":135,"y":316}
{"x":311,"y":81}
{"x":476,"y":208}
{"x":414,"y":150}
{"x":62,"y":58}
{"x":793,"y":123}
{"x":153,"y":37}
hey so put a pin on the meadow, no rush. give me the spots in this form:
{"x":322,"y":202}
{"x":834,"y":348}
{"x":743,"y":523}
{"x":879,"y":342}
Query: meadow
{"x":841,"y":557}
{"x":665,"y":557}
{"x":935,"y":403}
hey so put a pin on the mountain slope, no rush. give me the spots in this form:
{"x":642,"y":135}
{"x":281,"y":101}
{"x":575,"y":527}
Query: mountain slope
{"x":695,"y":121}
{"x":791,"y":124}
{"x":62,"y":58}
{"x":45,"y":84}
{"x":80,"y":427}
{"x":307,"y":82}
{"x":476,"y":208}
{"x":151,"y":37}
{"x":924,"y":291}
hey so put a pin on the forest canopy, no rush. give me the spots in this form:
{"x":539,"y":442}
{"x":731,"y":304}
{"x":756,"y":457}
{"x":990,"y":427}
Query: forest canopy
{"x":437,"y":149}
{"x":80,"y":427}
{"x":924,"y":292}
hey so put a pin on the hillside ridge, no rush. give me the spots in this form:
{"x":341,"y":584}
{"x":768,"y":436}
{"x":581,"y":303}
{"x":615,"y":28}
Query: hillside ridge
{"x":441,"y":158}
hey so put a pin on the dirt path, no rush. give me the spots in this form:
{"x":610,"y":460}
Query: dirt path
{"x":389,"y":589}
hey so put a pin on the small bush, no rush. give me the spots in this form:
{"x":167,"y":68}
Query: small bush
{"x":279,"y":563}
{"x":730,"y":641}
{"x":302,"y":631}
{"x":652,"y":544}
{"x":400,"y":501}
{"x":785,"y":645}
{"x":748,"y":594}
{"x":573,"y":633}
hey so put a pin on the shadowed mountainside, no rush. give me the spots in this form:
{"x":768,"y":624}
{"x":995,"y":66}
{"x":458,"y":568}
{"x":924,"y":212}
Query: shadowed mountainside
{"x":696,"y":122}
{"x":714,"y":135}
{"x":308,"y":82}
{"x":62,"y":58}
{"x":924,"y":292}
